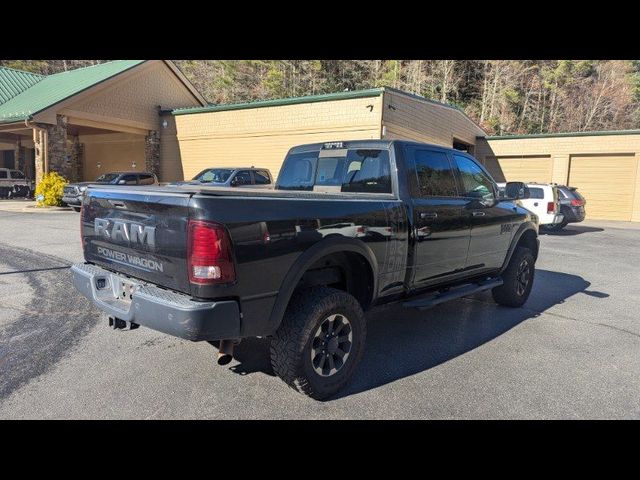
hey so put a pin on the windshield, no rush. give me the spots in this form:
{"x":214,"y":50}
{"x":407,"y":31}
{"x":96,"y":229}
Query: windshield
{"x":214,"y":175}
{"x":107,"y":177}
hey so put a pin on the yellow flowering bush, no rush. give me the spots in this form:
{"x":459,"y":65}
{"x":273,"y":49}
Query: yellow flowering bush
{"x":51,"y":188}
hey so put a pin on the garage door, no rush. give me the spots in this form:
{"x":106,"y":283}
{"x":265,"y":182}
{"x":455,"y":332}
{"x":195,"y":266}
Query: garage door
{"x":520,"y":169}
{"x":607,"y":182}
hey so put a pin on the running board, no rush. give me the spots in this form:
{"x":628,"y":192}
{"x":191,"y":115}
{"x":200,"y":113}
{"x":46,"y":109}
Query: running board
{"x":463,"y":291}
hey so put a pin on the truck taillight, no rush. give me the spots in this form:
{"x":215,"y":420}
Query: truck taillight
{"x":577,"y":203}
{"x":209,"y":256}
{"x":551,"y":207}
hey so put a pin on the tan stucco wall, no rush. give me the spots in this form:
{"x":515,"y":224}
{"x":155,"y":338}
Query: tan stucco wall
{"x":262,"y":136}
{"x":563,"y":149}
{"x":408,"y":118}
{"x":115,"y":151}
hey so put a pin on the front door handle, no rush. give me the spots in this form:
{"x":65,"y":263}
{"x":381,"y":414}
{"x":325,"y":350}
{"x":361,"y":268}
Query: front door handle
{"x":428,"y":215}
{"x":478,"y":213}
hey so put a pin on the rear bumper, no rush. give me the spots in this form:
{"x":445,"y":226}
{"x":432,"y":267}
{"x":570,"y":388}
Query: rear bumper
{"x":551,"y":219}
{"x":574,"y":214}
{"x":75,"y":201}
{"x":162,"y":310}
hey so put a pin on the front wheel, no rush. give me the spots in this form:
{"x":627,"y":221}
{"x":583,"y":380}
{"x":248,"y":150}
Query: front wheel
{"x":320,"y":341}
{"x":517,"y":278}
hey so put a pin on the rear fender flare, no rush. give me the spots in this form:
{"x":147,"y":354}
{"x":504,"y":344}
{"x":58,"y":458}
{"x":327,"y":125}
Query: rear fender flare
{"x":306,"y":260}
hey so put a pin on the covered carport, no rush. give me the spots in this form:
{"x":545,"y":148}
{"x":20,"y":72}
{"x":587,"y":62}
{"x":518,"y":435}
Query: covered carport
{"x":91,"y":120}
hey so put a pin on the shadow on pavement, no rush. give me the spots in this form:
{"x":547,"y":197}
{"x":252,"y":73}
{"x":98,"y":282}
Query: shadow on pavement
{"x":571,"y":230}
{"x":402,"y":342}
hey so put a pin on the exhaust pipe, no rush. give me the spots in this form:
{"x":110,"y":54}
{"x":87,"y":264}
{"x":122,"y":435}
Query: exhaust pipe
{"x":119,"y":324}
{"x":225,"y":352}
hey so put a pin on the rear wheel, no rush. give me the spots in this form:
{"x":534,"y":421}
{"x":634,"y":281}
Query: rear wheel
{"x":517,"y":278}
{"x":320,"y":341}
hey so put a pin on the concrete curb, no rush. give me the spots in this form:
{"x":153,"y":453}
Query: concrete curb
{"x":30,"y":207}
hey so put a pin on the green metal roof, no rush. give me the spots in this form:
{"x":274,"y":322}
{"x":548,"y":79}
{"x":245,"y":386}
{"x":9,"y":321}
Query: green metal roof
{"x":55,"y":88}
{"x":14,"y":82}
{"x":373,"y":92}
{"x":326,"y":97}
{"x":566,"y":134}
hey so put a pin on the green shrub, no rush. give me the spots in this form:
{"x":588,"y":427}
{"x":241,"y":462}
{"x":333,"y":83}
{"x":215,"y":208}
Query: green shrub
{"x":51,"y":188}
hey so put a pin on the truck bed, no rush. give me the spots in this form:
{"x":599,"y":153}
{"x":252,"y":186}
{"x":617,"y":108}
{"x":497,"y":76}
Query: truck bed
{"x":269,"y":230}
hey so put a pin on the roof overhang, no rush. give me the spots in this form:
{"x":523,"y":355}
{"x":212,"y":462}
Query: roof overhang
{"x":174,"y":68}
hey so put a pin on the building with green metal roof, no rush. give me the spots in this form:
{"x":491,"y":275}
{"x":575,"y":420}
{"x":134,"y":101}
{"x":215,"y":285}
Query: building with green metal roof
{"x":83,"y":121}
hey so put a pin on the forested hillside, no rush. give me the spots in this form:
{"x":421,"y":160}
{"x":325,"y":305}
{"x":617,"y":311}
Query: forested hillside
{"x":504,"y":96}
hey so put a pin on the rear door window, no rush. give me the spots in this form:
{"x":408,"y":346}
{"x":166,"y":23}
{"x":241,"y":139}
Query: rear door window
{"x":146,"y":179}
{"x":261,"y":177}
{"x":434,"y":173}
{"x":243,"y":177}
{"x":535,"y":192}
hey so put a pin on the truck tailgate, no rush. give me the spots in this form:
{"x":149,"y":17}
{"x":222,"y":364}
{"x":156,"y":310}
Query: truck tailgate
{"x":139,"y":232}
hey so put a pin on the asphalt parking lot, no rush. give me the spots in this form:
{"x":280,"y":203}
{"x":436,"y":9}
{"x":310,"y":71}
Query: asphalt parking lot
{"x":572,"y":352}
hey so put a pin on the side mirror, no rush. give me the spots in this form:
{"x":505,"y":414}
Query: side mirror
{"x":516,"y":191}
{"x":122,"y":182}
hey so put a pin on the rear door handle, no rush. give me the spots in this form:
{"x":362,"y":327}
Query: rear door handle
{"x":478,"y":213}
{"x":428,"y":215}
{"x":535,"y":204}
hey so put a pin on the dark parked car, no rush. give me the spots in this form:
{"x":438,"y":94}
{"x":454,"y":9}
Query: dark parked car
{"x":14,"y":183}
{"x":247,"y":177}
{"x":572,"y":206}
{"x":296,"y":263}
{"x":73,"y":191}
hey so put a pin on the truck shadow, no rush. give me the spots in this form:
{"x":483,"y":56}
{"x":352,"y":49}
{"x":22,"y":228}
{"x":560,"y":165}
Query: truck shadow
{"x":402,"y":342}
{"x":571,"y":230}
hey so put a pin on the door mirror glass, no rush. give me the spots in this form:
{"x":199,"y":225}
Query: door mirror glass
{"x":516,"y":191}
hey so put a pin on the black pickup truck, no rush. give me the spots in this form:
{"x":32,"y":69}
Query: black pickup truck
{"x":350,"y":225}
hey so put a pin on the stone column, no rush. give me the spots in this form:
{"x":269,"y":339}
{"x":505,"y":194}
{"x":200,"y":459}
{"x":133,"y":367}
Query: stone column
{"x":152,"y":152}
{"x":39,"y":143}
{"x":58,"y":158}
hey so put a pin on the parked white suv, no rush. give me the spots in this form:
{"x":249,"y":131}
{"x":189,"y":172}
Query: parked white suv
{"x":544,"y":201}
{"x":14,"y":183}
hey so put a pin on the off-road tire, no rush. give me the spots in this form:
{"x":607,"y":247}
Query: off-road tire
{"x":292,"y":343}
{"x":508,"y":293}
